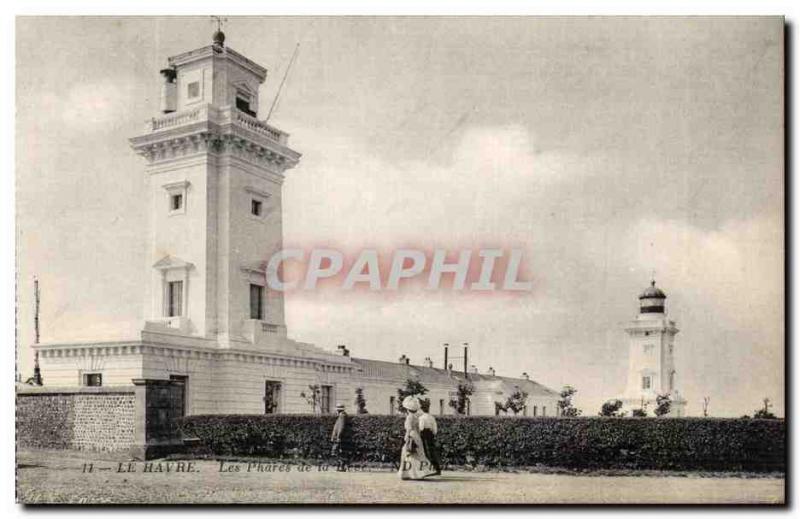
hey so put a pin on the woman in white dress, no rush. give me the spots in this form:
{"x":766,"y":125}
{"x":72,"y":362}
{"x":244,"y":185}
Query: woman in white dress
{"x":413,"y":463}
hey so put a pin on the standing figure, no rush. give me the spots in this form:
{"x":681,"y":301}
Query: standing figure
{"x":337,"y":439}
{"x":413,"y":462}
{"x":428,"y":432}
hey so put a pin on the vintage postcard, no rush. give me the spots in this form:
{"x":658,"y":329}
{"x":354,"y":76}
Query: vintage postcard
{"x":369,"y":260}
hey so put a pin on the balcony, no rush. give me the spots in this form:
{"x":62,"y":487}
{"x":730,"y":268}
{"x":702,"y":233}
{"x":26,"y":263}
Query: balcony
{"x":220,"y":116}
{"x":262,"y":332}
{"x":178,"y":324}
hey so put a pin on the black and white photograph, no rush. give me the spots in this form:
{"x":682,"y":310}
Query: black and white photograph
{"x":407,"y":260}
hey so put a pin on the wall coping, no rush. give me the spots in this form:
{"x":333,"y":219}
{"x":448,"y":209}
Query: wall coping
{"x":66,"y":390}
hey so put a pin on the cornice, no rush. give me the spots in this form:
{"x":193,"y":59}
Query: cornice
{"x":113,"y":349}
{"x":212,"y":52}
{"x":658,"y":325}
{"x":208,"y":129}
{"x":220,"y":141}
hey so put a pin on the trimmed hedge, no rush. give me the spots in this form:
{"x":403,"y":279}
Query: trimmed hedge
{"x":581,"y":443}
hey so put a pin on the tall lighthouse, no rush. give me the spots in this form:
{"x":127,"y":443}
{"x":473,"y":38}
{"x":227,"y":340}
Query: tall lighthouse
{"x":651,"y":356}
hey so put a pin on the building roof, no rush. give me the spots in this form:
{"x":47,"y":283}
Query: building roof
{"x":508,"y":384}
{"x":396,"y":371}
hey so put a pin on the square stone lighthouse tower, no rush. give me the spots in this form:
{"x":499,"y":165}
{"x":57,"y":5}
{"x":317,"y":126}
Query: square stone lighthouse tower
{"x":215,"y":173}
{"x":211,"y":323}
{"x":651,"y":356}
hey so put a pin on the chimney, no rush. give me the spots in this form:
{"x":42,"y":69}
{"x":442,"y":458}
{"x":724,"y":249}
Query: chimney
{"x":491,"y":371}
{"x":342,"y":350}
{"x":169,"y":91}
{"x":446,"y":365}
{"x":403,"y":359}
{"x":450,"y":367}
{"x":428,"y":362}
{"x":473,"y":369}
{"x":525,"y":376}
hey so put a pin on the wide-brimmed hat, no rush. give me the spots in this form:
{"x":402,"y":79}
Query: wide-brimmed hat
{"x":411,"y":403}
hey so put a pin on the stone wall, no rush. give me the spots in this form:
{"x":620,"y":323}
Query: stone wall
{"x":86,"y":418}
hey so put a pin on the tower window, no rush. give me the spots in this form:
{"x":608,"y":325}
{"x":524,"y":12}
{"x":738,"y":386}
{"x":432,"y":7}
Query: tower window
{"x":646,"y":382}
{"x":243,"y":100}
{"x":174,"y":298}
{"x":244,"y":106}
{"x":93,"y":379}
{"x":256,"y":302}
{"x":176,"y":202}
{"x":193,"y":89}
{"x":176,"y":196}
{"x":256,"y":207}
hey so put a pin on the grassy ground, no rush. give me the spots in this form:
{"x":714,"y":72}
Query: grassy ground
{"x":65,"y":477}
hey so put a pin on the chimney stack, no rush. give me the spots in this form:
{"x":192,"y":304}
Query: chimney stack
{"x":473,"y":369}
{"x":450,"y":367}
{"x":525,"y":375}
{"x":491,"y":371}
{"x":342,"y":350}
{"x":169,"y":91}
{"x":428,"y":362}
{"x":446,"y":365}
{"x":403,"y":359}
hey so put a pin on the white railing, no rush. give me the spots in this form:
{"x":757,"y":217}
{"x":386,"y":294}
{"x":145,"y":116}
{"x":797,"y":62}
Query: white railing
{"x":260,"y":127}
{"x":178,"y":118}
{"x":223,"y":116}
{"x":269,"y":328}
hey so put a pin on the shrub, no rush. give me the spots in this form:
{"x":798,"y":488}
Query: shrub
{"x":663,"y":405}
{"x":459,"y":403}
{"x":582,"y":443}
{"x":412,"y":388}
{"x":611,"y":408}
{"x":361,"y":402}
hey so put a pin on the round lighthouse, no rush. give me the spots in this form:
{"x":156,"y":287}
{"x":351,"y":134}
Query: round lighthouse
{"x":651,"y":356}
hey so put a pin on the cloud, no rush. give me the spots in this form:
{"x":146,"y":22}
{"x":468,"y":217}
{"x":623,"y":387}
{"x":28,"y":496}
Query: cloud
{"x":489,"y":187}
{"x":738,"y":268}
{"x":588,"y":259}
{"x":91,"y":106}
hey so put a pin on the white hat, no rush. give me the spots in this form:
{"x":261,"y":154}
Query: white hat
{"x":411,"y":403}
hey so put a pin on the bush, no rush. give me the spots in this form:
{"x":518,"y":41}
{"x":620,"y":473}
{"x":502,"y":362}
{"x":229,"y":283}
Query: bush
{"x":581,"y":443}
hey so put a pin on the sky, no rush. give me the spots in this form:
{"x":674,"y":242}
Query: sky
{"x":605,"y":148}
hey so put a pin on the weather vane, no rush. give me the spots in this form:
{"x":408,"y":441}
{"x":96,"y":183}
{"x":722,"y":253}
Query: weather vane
{"x":219,"y":20}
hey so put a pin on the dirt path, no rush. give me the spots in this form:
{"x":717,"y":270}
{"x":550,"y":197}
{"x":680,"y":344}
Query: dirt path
{"x":56,"y":478}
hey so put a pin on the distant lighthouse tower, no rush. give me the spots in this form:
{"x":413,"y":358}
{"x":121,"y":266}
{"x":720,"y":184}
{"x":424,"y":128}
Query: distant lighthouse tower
{"x":651,"y":358}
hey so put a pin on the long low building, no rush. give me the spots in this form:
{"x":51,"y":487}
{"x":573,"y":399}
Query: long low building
{"x":380,"y":381}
